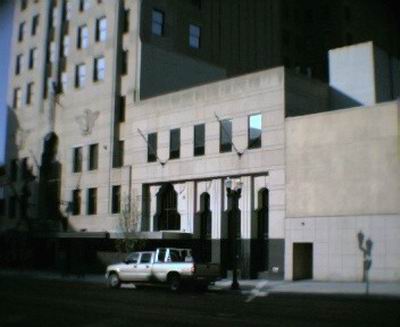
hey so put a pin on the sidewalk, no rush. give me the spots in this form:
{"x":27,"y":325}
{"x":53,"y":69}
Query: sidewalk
{"x":252,"y":288}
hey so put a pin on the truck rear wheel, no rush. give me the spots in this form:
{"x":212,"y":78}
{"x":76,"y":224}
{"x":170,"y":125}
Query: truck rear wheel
{"x":113,"y":281}
{"x":174,"y":282}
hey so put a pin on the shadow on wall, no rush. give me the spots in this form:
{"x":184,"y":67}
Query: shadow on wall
{"x":339,"y":100}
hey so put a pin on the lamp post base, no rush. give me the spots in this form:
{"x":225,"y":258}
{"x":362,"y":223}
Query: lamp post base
{"x":235,"y":286}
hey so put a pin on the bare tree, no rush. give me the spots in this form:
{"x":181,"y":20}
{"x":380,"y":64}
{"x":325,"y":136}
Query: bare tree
{"x":129,"y":224}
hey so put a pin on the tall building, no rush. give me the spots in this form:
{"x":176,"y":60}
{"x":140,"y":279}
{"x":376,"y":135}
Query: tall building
{"x":91,"y":163}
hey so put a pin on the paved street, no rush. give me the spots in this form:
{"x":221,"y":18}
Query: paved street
{"x":33,"y":302}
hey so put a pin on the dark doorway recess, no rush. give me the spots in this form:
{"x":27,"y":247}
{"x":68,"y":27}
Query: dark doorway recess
{"x":205,"y":227}
{"x":260,"y":250}
{"x":302,"y":261}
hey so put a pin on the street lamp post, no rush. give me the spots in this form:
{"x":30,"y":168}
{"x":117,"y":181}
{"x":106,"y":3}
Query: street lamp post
{"x":234,"y":189}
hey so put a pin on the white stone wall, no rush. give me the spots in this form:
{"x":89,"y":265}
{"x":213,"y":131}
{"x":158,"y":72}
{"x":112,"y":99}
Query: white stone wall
{"x":336,"y":255}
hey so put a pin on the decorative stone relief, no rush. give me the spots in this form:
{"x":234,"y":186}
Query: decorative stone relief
{"x":86,"y":121}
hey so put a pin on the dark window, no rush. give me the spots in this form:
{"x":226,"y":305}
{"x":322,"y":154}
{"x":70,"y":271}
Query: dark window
{"x":14,"y":170}
{"x":145,"y":258}
{"x":167,"y":217}
{"x":29,"y":92}
{"x":152,"y":147}
{"x":199,"y":140}
{"x":124,"y":66}
{"x":126,"y":20}
{"x":12,"y":206}
{"x":116,"y":199}
{"x":101,"y":29}
{"x":24,"y":4}
{"x":99,"y":69}
{"x":17,"y":98}
{"x":83,"y":5}
{"x":77,"y":160}
{"x":92,"y":201}
{"x":121,"y":112}
{"x":174,"y":143}
{"x":24,"y":168}
{"x":83,"y":37}
{"x":76,"y":202}
{"x":32,"y":57}
{"x":80,"y":75}
{"x":254,"y":131}
{"x":19,"y":63}
{"x":21,"y":32}
{"x":194,"y":36}
{"x":35,"y":24}
{"x":93,"y":156}
{"x":157,"y":22}
{"x":225,"y":135}
{"x":119,"y":154}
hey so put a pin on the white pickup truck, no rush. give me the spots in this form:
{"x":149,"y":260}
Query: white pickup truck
{"x":165,"y":265}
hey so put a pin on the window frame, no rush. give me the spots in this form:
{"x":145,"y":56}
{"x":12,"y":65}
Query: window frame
{"x":152,"y":140}
{"x":91,"y":208}
{"x":255,"y":143}
{"x":35,"y":24}
{"x":93,"y":162}
{"x":29,"y":93}
{"x":157,"y":22}
{"x":80,"y":75}
{"x":225,"y":147}
{"x":199,"y":150}
{"x":101,"y":31}
{"x":77,"y":159}
{"x":76,"y":202}
{"x":99,"y":71}
{"x":194,"y":36}
{"x":116,"y":199}
{"x":174,"y":153}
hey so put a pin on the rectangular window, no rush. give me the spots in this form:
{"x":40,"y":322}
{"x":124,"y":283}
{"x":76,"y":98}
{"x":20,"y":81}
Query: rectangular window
{"x":35,"y":24}
{"x":64,"y":81}
{"x":194,"y":36}
{"x":53,"y":52}
{"x":19,"y":62}
{"x":77,"y":160}
{"x":12,"y":206}
{"x":225,"y":135}
{"x":65,"y":46}
{"x":24,"y":4}
{"x":152,"y":147}
{"x":92,"y":201}
{"x":84,"y":5}
{"x":126,"y":20}
{"x":32,"y":57}
{"x":76,"y":202}
{"x":68,"y":10}
{"x":174,"y":143}
{"x":21,"y":32}
{"x":157,"y":22}
{"x":99,"y":69}
{"x":17,"y":98}
{"x":124,"y":68}
{"x":14,"y":170}
{"x":119,"y":154}
{"x":80,"y":75}
{"x":199,"y":140}
{"x":93,"y":156}
{"x":101,"y":29}
{"x":83,"y":37}
{"x":121,"y":113}
{"x":116,"y":199}
{"x":254,"y":131}
{"x":29,"y":92}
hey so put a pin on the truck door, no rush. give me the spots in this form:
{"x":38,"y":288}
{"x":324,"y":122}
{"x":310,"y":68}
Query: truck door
{"x":143,"y":269}
{"x":128,"y":271}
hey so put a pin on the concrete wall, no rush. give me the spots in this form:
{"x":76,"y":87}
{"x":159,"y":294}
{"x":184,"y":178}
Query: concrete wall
{"x":343,"y":177}
{"x":344,"y":162}
{"x":163,"y":72}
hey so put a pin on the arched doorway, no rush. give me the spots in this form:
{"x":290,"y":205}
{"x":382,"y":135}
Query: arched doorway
{"x":167,"y":216}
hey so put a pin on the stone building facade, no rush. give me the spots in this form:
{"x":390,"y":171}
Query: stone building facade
{"x":84,"y":149}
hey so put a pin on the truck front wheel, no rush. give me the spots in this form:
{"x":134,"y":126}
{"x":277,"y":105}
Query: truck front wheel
{"x":113,"y":281}
{"x":174,"y":282}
